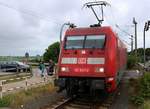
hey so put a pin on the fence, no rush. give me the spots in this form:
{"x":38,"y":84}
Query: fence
{"x":17,"y":69}
{"x":26,"y":84}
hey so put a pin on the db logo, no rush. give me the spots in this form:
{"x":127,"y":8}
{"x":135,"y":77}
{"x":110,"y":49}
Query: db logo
{"x":81,"y":60}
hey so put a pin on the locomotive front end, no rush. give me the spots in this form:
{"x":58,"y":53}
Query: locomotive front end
{"x":82,"y":59}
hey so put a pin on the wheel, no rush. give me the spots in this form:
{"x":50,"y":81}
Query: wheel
{"x":69,"y":93}
{"x":71,"y":88}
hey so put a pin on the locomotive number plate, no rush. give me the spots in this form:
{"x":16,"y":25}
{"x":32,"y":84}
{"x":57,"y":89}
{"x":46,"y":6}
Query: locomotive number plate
{"x":81,"y":60}
{"x":81,"y":70}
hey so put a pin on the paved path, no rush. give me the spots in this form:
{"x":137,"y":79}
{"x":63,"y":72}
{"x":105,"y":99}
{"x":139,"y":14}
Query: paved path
{"x":36,"y":79}
{"x":132,"y":74}
{"x":122,"y":100}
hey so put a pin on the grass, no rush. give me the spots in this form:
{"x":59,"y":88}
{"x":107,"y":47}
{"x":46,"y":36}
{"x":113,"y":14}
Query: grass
{"x":34,"y":66}
{"x":146,"y":104}
{"x":5,"y":102}
{"x":20,"y":98}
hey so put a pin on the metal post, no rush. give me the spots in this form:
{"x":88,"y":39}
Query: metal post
{"x":135,"y":23}
{"x":146,"y":28}
{"x":44,"y":78}
{"x":26,"y":83}
{"x":131,"y":42}
{"x":136,"y":37}
{"x":1,"y":90}
{"x":144,"y":45}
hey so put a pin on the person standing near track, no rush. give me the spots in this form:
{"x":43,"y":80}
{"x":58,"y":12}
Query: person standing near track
{"x":42,"y":68}
{"x":51,"y":68}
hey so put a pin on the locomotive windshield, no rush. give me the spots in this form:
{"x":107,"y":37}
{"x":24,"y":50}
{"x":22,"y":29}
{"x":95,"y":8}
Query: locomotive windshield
{"x":74,"y":42}
{"x":89,"y":41}
{"x":95,"y":41}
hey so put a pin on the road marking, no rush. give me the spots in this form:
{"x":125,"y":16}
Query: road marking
{"x":24,"y":77}
{"x":18,"y":87}
{"x":4,"y":91}
{"x":4,"y":80}
{"x":10,"y":89}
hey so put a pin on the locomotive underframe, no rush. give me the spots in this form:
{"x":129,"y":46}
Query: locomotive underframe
{"x":76,"y":85}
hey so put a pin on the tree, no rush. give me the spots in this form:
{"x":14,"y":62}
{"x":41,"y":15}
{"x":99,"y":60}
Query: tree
{"x":52,"y":52}
{"x":27,"y":55}
{"x":131,"y":61}
{"x":148,"y":52}
{"x":140,"y":51}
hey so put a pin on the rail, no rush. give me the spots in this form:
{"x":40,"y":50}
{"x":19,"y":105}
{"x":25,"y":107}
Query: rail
{"x":61,"y":104}
{"x":86,"y":102}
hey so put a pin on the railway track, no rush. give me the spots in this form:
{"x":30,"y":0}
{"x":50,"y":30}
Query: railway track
{"x":83,"y":103}
{"x":73,"y":103}
{"x":86,"y":102}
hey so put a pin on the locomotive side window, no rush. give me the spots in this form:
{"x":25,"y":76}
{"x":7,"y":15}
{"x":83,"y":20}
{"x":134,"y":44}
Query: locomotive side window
{"x":74,"y":42}
{"x":95,"y":41}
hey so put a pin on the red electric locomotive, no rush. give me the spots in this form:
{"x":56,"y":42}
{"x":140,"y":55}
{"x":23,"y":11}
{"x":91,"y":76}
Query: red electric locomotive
{"x":91,"y":59}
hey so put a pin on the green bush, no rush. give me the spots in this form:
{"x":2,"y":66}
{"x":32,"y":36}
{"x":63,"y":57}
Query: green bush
{"x":143,"y":92}
{"x":5,"y":101}
{"x":137,"y":100}
{"x":52,"y":52}
{"x":131,"y":61}
{"x":145,"y":85}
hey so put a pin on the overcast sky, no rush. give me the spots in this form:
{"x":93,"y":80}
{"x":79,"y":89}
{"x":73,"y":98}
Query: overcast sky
{"x":32,"y":25}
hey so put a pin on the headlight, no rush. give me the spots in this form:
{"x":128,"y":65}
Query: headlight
{"x":110,"y":79}
{"x":64,"y":69}
{"x":99,"y":69}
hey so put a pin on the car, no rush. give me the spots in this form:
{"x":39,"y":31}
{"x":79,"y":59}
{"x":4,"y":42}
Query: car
{"x":14,"y":66}
{"x":7,"y":66}
{"x":22,"y":67}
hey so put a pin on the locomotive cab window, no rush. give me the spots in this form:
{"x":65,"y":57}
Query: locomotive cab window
{"x":89,"y":41}
{"x":95,"y":41}
{"x":74,"y":42}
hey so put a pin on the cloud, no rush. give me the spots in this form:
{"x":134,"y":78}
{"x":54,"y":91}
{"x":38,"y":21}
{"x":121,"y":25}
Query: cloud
{"x":31,"y":26}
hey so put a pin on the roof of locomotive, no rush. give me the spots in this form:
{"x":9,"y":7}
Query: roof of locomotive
{"x":89,"y":31}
